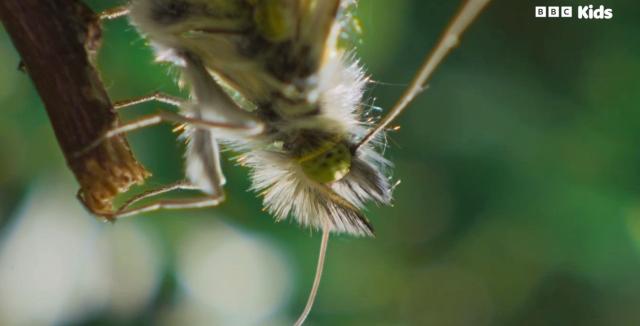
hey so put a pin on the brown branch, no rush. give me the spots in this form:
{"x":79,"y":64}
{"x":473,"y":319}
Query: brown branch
{"x":58,"y":41}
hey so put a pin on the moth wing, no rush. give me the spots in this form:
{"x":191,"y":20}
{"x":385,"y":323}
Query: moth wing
{"x":318,"y":28}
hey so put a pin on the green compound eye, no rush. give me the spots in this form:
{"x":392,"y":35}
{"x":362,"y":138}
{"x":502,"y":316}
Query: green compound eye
{"x":275,"y":19}
{"x":328,"y":164}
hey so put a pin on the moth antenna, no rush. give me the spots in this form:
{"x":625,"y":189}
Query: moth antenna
{"x":449,"y":39}
{"x":316,"y":281}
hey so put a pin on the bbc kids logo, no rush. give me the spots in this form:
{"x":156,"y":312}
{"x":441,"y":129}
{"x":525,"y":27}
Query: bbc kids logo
{"x":582,"y":12}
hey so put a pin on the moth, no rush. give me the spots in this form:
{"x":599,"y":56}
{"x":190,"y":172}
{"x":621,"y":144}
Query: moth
{"x":270,"y":80}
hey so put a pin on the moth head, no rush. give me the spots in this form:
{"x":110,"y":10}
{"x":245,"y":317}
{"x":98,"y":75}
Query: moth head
{"x":317,"y":178}
{"x":329,"y":162}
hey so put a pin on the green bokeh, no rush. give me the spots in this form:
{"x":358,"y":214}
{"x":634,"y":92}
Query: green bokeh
{"x":519,"y":202}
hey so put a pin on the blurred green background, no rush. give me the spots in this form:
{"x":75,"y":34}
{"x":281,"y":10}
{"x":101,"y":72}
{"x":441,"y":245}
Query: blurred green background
{"x":519,"y":202}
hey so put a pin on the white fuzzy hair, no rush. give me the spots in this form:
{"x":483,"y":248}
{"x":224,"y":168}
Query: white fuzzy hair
{"x":287,"y":191}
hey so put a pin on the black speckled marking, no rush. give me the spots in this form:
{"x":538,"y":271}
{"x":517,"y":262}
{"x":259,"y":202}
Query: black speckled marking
{"x":289,"y":61}
{"x":170,"y":12}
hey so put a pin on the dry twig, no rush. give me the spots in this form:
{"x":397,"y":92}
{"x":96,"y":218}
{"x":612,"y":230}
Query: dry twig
{"x":58,"y":41}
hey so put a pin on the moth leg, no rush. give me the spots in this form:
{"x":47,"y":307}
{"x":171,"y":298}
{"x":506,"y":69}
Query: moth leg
{"x":170,"y":117}
{"x":114,"y":13}
{"x":164,"y":116}
{"x":184,"y":203}
{"x":157,"y":97}
{"x":180,"y":185}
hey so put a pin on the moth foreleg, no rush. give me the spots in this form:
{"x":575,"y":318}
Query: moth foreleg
{"x":114,"y":13}
{"x":203,"y":162}
{"x":180,"y":185}
{"x":170,"y":117}
{"x":157,"y":97}
{"x":183,"y":203}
